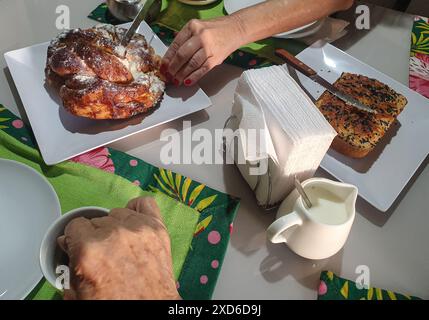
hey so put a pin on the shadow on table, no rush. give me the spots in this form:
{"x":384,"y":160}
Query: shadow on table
{"x":380,"y":218}
{"x":363,"y":165}
{"x":251,"y":221}
{"x":249,"y":236}
{"x":212,"y":87}
{"x":282,"y":262}
{"x":154,"y":134}
{"x":15,"y":95}
{"x":377,"y":16}
{"x":371,"y":213}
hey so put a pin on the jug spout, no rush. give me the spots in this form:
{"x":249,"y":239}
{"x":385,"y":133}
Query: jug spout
{"x":347,"y":192}
{"x":344,"y":192}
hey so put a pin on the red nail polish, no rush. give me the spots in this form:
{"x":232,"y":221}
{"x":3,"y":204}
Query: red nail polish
{"x":176,"y":82}
{"x":188,"y":82}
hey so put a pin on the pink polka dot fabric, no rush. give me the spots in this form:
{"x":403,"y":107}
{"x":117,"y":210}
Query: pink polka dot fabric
{"x":214,"y":237}
{"x":215,"y":264}
{"x":18,"y":124}
{"x":322,"y":288}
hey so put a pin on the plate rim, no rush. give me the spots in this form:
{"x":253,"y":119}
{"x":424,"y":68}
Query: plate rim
{"x":195,"y":2}
{"x":305,"y":32}
{"x":56,"y":203}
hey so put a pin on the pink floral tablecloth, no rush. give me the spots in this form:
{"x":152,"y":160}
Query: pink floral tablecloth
{"x":419,"y":60}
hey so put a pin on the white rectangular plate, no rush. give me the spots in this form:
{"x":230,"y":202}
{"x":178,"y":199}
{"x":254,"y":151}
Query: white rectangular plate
{"x":60,"y":135}
{"x":383,"y":174}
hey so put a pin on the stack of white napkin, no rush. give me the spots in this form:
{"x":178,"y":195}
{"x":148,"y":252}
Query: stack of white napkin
{"x":291,"y":137}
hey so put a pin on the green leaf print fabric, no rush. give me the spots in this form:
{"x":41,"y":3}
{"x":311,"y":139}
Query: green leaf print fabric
{"x":198,"y":218}
{"x":332,"y":287}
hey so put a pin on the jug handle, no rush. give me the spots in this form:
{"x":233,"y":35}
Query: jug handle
{"x":276,"y":229}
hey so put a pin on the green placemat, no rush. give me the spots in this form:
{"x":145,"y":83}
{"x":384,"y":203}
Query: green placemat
{"x":198,"y":218}
{"x":174,"y":15}
{"x":332,"y":287}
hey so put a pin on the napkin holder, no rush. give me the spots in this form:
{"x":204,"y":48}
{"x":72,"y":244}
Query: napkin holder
{"x":274,"y":182}
{"x":257,"y":181}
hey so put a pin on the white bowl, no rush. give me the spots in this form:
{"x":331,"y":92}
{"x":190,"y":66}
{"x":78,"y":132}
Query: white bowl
{"x":51,"y":255}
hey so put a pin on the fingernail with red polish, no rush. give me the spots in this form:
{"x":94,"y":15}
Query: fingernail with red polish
{"x":188,"y":82}
{"x":176,"y":82}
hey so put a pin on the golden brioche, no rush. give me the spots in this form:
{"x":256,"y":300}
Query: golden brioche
{"x":100,"y":79}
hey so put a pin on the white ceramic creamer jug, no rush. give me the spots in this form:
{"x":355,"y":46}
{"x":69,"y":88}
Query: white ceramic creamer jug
{"x":322,"y":230}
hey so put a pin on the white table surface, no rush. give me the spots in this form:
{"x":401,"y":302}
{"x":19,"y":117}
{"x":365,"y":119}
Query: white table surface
{"x":394,"y":245}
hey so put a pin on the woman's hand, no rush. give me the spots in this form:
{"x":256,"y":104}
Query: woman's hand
{"x":125,"y":255}
{"x":202,"y":45}
{"x":199,"y":47}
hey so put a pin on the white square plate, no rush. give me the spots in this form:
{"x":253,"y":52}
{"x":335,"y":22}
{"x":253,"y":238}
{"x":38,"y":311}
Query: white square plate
{"x":60,"y":135}
{"x":383,"y":174}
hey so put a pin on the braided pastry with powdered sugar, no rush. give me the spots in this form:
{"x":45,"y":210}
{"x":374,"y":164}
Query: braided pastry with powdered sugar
{"x":100,"y":79}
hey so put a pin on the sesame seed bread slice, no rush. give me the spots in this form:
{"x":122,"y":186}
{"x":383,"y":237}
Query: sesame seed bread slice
{"x":359,"y":132}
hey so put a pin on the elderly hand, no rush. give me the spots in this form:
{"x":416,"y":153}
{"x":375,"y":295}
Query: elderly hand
{"x":199,"y":47}
{"x":125,"y":255}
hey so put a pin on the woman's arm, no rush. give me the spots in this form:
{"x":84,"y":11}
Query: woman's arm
{"x":276,"y":16}
{"x":203,"y":44}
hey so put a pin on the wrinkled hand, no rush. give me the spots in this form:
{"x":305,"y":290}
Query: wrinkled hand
{"x":199,"y":47}
{"x":125,"y":255}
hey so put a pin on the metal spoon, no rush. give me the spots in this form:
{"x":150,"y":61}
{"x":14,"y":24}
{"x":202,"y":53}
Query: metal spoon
{"x":301,"y":191}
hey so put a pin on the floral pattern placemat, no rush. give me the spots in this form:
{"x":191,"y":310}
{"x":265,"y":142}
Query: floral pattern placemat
{"x":419,"y":61}
{"x":217,"y":210}
{"x":332,"y":287}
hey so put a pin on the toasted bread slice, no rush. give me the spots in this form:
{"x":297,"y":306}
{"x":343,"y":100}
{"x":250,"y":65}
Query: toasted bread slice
{"x":358,"y":131}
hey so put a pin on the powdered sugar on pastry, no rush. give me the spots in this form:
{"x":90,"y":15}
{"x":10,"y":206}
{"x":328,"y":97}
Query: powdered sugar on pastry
{"x":99,"y":77}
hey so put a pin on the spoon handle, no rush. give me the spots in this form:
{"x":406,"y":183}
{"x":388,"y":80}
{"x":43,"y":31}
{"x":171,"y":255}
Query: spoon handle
{"x":301,"y":191}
